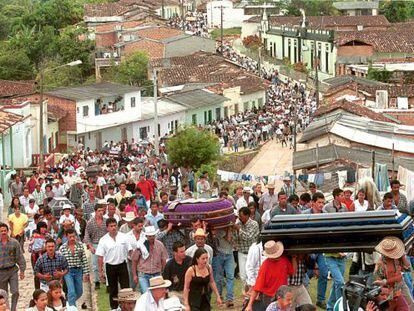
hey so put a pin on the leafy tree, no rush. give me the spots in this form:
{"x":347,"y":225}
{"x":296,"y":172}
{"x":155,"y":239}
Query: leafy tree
{"x":64,"y":76}
{"x":192,"y":147}
{"x":14,"y":64}
{"x":133,"y":70}
{"x":311,"y":7}
{"x":396,"y":11}
{"x":379,"y":75}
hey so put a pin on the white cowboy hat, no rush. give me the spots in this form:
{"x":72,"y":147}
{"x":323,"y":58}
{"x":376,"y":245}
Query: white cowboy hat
{"x":271,"y":185}
{"x":150,"y":230}
{"x":391,"y":247}
{"x":273,"y":249}
{"x":247,"y":189}
{"x":158,"y":282}
{"x":66,"y":206}
{"x":173,"y":304}
{"x":129,"y":216}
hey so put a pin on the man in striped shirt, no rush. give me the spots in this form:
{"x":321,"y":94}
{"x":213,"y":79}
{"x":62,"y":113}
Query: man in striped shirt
{"x":74,"y":253}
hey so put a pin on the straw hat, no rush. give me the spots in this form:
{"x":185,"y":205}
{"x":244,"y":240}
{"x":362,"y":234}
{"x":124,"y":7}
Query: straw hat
{"x":271,"y":185}
{"x":127,"y":294}
{"x":78,"y":180}
{"x":158,"y":282}
{"x":273,"y":249}
{"x":286,"y":178}
{"x":200,"y":232}
{"x":391,"y":247}
{"x":129,"y":216}
{"x":150,"y":230}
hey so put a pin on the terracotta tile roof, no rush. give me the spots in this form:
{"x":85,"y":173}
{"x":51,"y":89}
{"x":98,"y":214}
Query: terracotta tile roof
{"x":329,"y":22}
{"x":123,"y":6}
{"x":202,"y":67}
{"x":153,"y":49}
{"x":150,"y":19}
{"x":158,"y":33}
{"x":353,"y":108}
{"x":56,"y":111}
{"x":385,"y":41}
{"x":10,"y":88}
{"x":8,"y":119}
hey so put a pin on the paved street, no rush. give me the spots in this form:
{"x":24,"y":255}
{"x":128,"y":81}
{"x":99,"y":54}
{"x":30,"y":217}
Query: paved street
{"x":271,"y":160}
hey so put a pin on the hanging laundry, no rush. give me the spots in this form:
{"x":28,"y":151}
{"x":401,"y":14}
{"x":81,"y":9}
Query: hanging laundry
{"x":327,"y":176}
{"x":350,"y":175}
{"x":319,"y":179}
{"x":381,"y":177}
{"x":342,"y":177}
{"x":364,"y":172}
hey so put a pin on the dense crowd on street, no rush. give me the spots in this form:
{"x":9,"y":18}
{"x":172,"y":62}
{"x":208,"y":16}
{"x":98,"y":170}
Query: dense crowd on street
{"x":194,"y":23}
{"x":113,"y":203}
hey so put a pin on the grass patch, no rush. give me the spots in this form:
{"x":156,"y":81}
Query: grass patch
{"x":216,"y":33}
{"x":103,"y":299}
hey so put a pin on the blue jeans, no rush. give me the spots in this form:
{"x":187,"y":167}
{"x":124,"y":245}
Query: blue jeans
{"x":215,"y":268}
{"x":337,"y":268}
{"x":143,"y":279}
{"x":323,"y":277}
{"x":225,"y":263}
{"x":409,"y":282}
{"x":73,"y":280}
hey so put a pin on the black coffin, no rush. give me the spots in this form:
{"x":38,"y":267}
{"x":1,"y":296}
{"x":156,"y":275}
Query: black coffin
{"x":338,"y":232}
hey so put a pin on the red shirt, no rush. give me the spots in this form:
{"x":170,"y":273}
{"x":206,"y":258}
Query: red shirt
{"x":348,"y":203}
{"x":272,"y":275}
{"x":146,"y":189}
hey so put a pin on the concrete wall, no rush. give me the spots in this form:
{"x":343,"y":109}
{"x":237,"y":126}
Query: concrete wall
{"x":94,"y":122}
{"x":132,"y":130}
{"x":254,"y":99}
{"x":22,"y":145}
{"x":189,"y":46}
{"x":202,"y":114}
{"x":249,"y":29}
{"x":231,"y":17}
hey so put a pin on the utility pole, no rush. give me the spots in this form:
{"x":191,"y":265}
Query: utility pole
{"x":259,"y":63}
{"x":316,"y":73}
{"x":41,"y":113}
{"x":156,"y":136}
{"x":162,"y":9}
{"x":221,"y":31}
{"x":182,"y":15}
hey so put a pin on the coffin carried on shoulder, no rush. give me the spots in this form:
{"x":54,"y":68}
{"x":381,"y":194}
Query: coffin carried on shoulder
{"x":218,"y":213}
{"x":338,"y":232}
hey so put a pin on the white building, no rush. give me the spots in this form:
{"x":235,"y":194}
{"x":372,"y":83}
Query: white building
{"x":232,"y":17}
{"x":16,"y":136}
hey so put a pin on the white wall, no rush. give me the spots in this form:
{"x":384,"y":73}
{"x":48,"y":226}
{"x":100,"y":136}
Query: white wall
{"x":94,"y":122}
{"x":249,"y":29}
{"x":22,"y":145}
{"x":231,"y":17}
{"x":114,"y":133}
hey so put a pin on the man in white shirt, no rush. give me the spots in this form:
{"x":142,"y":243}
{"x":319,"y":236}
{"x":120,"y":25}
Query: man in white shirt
{"x":153,"y":298}
{"x":113,"y":250}
{"x":200,"y":241}
{"x":58,"y":190}
{"x":25,"y":198}
{"x":245,"y":199}
{"x":254,"y":260}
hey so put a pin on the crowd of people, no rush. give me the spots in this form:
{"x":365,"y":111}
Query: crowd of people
{"x":194,"y":23}
{"x":113,"y":209}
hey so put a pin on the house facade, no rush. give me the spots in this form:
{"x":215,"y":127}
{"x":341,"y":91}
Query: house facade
{"x":91,"y":109}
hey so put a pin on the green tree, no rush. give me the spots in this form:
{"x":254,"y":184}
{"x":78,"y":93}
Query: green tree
{"x":192,"y":147}
{"x":379,"y":75}
{"x":133,"y":70}
{"x":311,"y":7}
{"x":14,"y":64}
{"x":396,"y":11}
{"x":62,"y":77}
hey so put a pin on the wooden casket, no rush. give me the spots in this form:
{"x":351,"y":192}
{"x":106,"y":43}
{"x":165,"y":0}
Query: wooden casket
{"x":338,"y":232}
{"x":218,"y":213}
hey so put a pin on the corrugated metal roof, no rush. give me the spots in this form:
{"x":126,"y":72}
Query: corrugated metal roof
{"x":197,"y":98}
{"x":93,"y":91}
{"x":306,"y":159}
